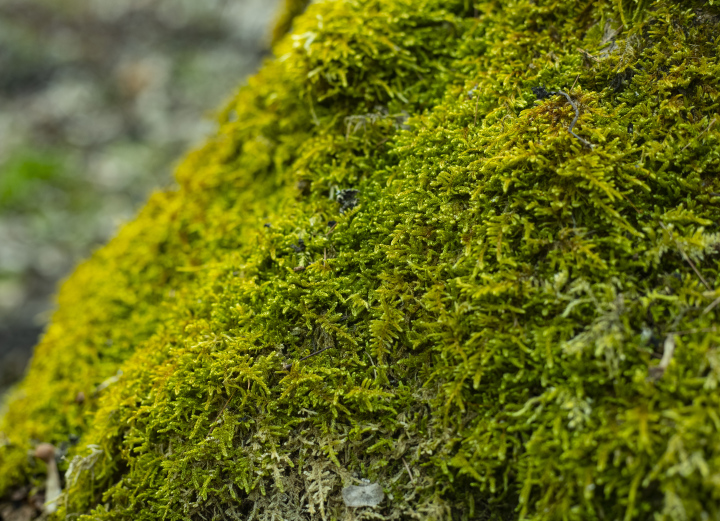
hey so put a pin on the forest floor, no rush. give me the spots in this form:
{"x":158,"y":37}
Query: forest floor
{"x":97,"y":101}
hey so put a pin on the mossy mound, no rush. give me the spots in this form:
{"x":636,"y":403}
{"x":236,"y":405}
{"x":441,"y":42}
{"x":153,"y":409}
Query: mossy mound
{"x":395,"y":263}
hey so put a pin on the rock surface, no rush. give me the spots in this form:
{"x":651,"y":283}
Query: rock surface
{"x":363,"y":495}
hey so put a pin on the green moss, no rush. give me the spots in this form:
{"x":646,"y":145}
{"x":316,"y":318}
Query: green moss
{"x":289,"y":11}
{"x":482,"y":333}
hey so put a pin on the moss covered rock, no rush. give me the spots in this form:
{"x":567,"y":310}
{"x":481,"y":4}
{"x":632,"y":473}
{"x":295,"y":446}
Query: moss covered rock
{"x":467,"y":252}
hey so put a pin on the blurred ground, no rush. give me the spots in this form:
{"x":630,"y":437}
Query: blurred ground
{"x":98,"y":98}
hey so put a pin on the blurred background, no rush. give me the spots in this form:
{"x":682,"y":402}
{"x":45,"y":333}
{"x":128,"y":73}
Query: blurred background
{"x":98,"y":100}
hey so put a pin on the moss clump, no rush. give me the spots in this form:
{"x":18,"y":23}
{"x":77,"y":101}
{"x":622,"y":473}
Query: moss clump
{"x":290,"y":10}
{"x":503,"y":322}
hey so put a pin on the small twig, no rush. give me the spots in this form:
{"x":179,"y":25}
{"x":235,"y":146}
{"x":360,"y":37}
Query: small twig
{"x":212,"y":427}
{"x":628,"y":201}
{"x":711,"y":306}
{"x":324,"y":257}
{"x":701,"y":133}
{"x":287,"y":367}
{"x":577,"y":115}
{"x":693,"y":331}
{"x":687,"y":259}
{"x":588,"y":55}
{"x":502,"y":122}
{"x":315,"y":353}
{"x":573,"y":85}
{"x":412,"y":479}
{"x":655,"y":373}
{"x":373,"y":364}
{"x":383,"y":142}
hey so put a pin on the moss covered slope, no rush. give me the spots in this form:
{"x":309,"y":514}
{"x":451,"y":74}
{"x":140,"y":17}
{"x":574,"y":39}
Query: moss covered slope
{"x":395,"y":262}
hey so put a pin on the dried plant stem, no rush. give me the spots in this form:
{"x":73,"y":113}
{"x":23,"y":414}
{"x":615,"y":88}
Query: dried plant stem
{"x":693,"y":331}
{"x":685,"y":256}
{"x":701,"y":133}
{"x":315,"y":353}
{"x":711,"y":306}
{"x":577,"y":115}
{"x":575,"y":82}
{"x":412,"y":478}
{"x":212,"y":427}
{"x":655,"y":373}
{"x":287,"y":367}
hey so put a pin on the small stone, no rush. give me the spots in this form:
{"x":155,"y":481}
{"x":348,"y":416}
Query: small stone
{"x":541,"y":92}
{"x":347,"y":199}
{"x":363,"y":496}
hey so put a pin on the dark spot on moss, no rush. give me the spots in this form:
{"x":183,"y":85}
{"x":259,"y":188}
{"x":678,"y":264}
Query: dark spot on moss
{"x":347,"y":199}
{"x":303,"y":187}
{"x":621,"y":80}
{"x":541,"y":93}
{"x":299,"y":247}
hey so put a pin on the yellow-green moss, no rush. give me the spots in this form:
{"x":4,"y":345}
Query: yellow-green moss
{"x":482,"y":334}
{"x":289,"y":11}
